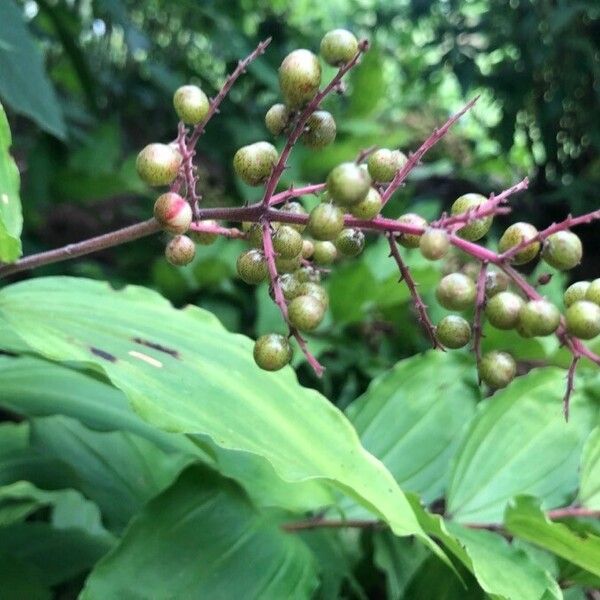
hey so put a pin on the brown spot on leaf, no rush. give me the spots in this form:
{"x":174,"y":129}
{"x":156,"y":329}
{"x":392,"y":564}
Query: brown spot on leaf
{"x":156,"y":346}
{"x":102,"y":354}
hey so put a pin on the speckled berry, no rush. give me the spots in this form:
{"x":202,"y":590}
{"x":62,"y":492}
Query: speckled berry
{"x":539,"y":318}
{"x":562,"y":250}
{"x":325,"y":221}
{"x":277,"y":118}
{"x":593,"y":292}
{"x":173,"y":212}
{"x":434,"y":244}
{"x":310,"y":288}
{"x":308,"y":248}
{"x":348,"y":184}
{"x":290,"y":285}
{"x":503,"y":310}
{"x":288,"y":265}
{"x":252,"y":266}
{"x":191,"y":104}
{"x":254,"y":163}
{"x":384,"y":163}
{"x":495,"y":282}
{"x":338,"y":47}
{"x":297,"y":209}
{"x":180,"y":250}
{"x":325,"y":253}
{"x":453,"y":332}
{"x":287,"y":242}
{"x":350,"y":242}
{"x":320,"y":130}
{"x":575,"y":292}
{"x":478,"y":228}
{"x":272,"y":351}
{"x":205,"y":238}
{"x":369,"y":207}
{"x":299,"y":77}
{"x":158,"y":164}
{"x":411,"y":240}
{"x":583,"y":319}
{"x":308,"y":273}
{"x":456,"y":292}
{"x":514,"y":235}
{"x":306,"y":312}
{"x":497,"y":369}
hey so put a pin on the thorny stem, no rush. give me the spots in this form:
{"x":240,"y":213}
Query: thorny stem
{"x":570,"y":384}
{"x":228,"y":232}
{"x":478,"y":317}
{"x":296,"y":193}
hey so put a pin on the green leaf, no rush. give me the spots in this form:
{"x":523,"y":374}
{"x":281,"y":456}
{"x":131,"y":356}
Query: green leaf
{"x":201,"y":538}
{"x":24,"y":84}
{"x":519,"y":443}
{"x":368,"y":85}
{"x":589,"y":487}
{"x":19,"y":580}
{"x":412,"y":418}
{"x":183,"y":372}
{"x":11,"y":217}
{"x":525,"y":519}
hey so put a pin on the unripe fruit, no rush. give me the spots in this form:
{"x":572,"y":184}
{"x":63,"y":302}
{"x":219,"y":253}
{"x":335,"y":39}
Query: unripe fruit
{"x":411,"y":240}
{"x":338,"y":47}
{"x":369,"y":207}
{"x":305,"y":312}
{"x":575,"y":292}
{"x":180,"y":250}
{"x":583,"y":319}
{"x":254,"y":232}
{"x":308,"y":273}
{"x":288,"y":265}
{"x":562,"y":250}
{"x":309,"y":288}
{"x":503,"y":310}
{"x":348,"y":184}
{"x":272,"y":352}
{"x":308,"y":248}
{"x":277,"y":118}
{"x":173,"y":212}
{"x":321,"y":130}
{"x":350,"y":242}
{"x":384,"y":163}
{"x":299,"y":77}
{"x":456,"y":292}
{"x":539,"y":318}
{"x":254,"y":163}
{"x":297,"y":209}
{"x":434,"y":244}
{"x":325,"y":253}
{"x":191,"y":104}
{"x":593,"y":292}
{"x":453,"y":331}
{"x":325,"y":221}
{"x":290,"y":286}
{"x":514,"y":235}
{"x":158,"y":164}
{"x":287,"y":242}
{"x":497,"y":369}
{"x":204,"y":237}
{"x":478,"y":228}
{"x":252,"y":266}
{"x":495,"y":282}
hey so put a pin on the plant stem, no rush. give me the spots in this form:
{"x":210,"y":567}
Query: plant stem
{"x":478,"y":317}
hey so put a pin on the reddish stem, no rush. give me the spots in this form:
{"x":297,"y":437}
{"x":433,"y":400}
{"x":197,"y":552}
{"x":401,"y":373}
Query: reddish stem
{"x":570,"y":385}
{"x":228,"y":232}
{"x":296,"y":192}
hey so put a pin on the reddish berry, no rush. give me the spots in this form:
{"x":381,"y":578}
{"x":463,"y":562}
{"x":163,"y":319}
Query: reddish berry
{"x":173,"y":212}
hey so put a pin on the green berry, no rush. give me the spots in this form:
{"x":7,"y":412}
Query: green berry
{"x":310,"y":288}
{"x":321,"y":130}
{"x":306,"y":312}
{"x":434,"y":244}
{"x":290,"y":285}
{"x":369,"y":207}
{"x":173,"y":212}
{"x":583,"y":319}
{"x":308,"y":248}
{"x":456,"y":292}
{"x":495,"y":282}
{"x":299,"y":78}
{"x":411,"y":240}
{"x":338,"y":47}
{"x":478,"y":228}
{"x":348,"y":184}
{"x":288,"y":265}
{"x":255,"y":235}
{"x":384,"y":163}
{"x":308,"y":273}
{"x":180,"y":250}
{"x":325,"y":253}
{"x":325,"y":221}
{"x":272,"y":352}
{"x":562,"y":250}
{"x":575,"y":292}
{"x":514,"y":235}
{"x":497,"y":369}
{"x":503,"y":310}
{"x":287,"y":242}
{"x":277,"y":118}
{"x":297,"y":209}
{"x":191,"y":104}
{"x":350,"y":242}
{"x":254,"y":163}
{"x":453,"y":331}
{"x":593,"y":292}
{"x":252,"y":266}
{"x":158,"y":164}
{"x":539,"y":318}
{"x":205,"y":238}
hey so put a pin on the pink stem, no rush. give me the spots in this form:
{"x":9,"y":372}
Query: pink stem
{"x":478,"y":317}
{"x":229,"y":232}
{"x":570,"y":385}
{"x":296,"y":192}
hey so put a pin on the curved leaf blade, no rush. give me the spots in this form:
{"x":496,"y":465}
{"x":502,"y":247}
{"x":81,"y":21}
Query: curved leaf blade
{"x":589,"y":487}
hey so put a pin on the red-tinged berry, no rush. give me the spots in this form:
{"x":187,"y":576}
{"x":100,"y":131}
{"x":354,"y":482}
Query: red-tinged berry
{"x":173,"y":212}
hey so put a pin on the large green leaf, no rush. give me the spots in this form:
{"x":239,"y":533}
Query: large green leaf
{"x":519,"y":443}
{"x":19,"y":580}
{"x":589,"y":486}
{"x":183,"y":372}
{"x":24,"y":84}
{"x":525,"y":519}
{"x":201,"y":538}
{"x":11,"y":217}
{"x":412,"y":418}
